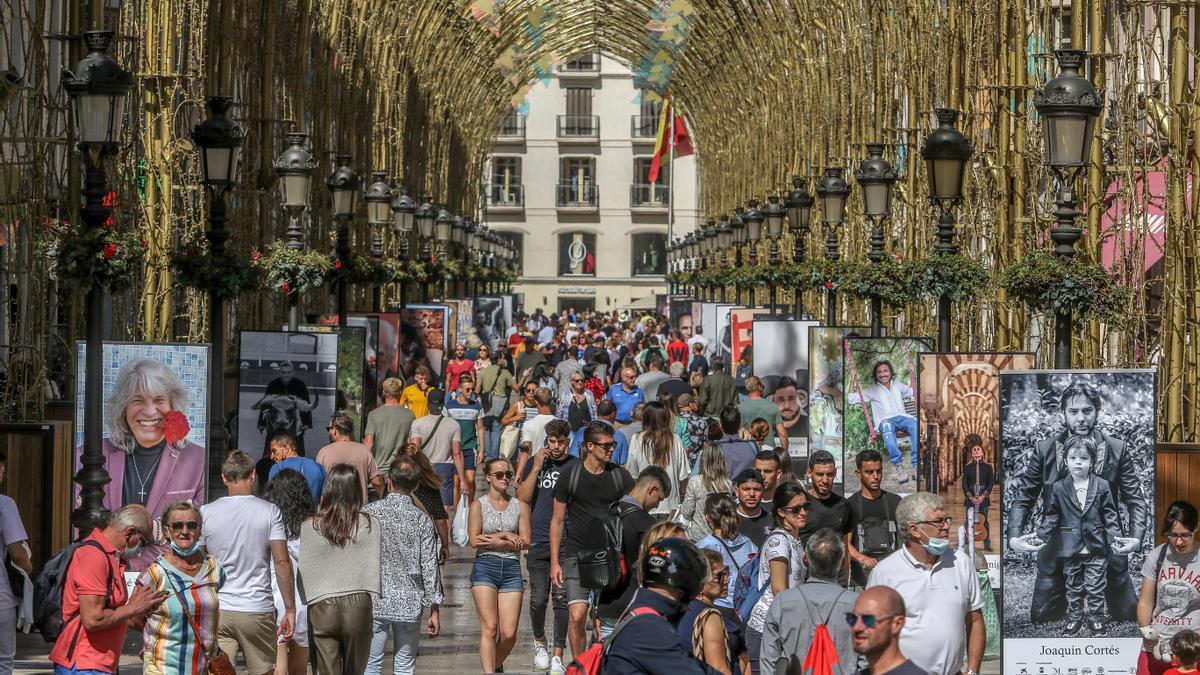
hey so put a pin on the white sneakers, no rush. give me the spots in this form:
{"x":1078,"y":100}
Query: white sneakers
{"x":541,"y":655}
{"x":557,"y":667}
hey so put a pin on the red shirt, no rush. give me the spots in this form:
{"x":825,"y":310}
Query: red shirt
{"x":677,"y":350}
{"x":453,"y":370}
{"x":89,"y":574}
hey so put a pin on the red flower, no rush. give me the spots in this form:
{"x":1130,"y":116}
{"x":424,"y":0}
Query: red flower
{"x":108,"y":222}
{"x":337,"y":264}
{"x":828,"y":284}
{"x":285,"y":287}
{"x":109,"y":251}
{"x":255,"y":255}
{"x":144,"y":244}
{"x":176,"y":426}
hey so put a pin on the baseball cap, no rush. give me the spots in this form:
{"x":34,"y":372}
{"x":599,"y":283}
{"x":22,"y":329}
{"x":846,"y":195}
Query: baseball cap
{"x":437,"y":398}
{"x":748,"y":476}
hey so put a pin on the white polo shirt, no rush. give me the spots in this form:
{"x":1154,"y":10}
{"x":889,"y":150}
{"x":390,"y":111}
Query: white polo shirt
{"x":936,"y":602}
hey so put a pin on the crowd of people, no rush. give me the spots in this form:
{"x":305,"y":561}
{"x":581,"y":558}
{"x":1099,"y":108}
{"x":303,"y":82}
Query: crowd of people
{"x":648,"y":492}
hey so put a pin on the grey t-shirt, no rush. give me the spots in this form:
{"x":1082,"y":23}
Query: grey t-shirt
{"x":389,"y":425}
{"x":439,"y":449}
{"x":1178,"y":605}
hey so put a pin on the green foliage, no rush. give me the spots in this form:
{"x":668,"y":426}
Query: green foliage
{"x":888,"y":280}
{"x":83,"y":257}
{"x":228,"y":275}
{"x":1048,"y":285}
{"x":956,"y":275}
{"x":824,"y":274}
{"x":290,"y":271}
{"x":364,"y":269}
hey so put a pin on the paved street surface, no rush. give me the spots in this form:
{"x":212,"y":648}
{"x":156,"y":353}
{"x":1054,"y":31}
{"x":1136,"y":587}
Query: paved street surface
{"x":454,"y":652}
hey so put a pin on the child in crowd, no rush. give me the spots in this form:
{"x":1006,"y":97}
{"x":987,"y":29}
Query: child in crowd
{"x":1185,"y":650}
{"x":1080,"y":525}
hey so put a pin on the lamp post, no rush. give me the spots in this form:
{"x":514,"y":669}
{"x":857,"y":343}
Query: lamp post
{"x":833,"y":191}
{"x":220,"y":141}
{"x":946,"y":152}
{"x":773,"y":215}
{"x":295,"y":169}
{"x":97,"y":86}
{"x":378,"y":197}
{"x":876,"y":177}
{"x":404,"y":211}
{"x":343,"y":186}
{"x":799,"y":209}
{"x":754,"y":222}
{"x":1069,"y":106}
{"x":443,"y":230}
{"x":472,"y":238}
{"x":725,"y":240}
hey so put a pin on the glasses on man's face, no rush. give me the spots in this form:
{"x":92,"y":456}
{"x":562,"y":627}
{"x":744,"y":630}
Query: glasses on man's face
{"x":604,"y":446}
{"x":1181,"y":536}
{"x":868,"y":620}
{"x":500,"y":475}
{"x":937,"y":523}
{"x":180,"y":525}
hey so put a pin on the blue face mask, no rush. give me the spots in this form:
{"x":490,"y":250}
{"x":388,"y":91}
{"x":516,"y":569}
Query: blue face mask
{"x":936,"y":546}
{"x":185,"y":552}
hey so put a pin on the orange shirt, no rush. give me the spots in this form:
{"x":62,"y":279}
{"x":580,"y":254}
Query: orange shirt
{"x":90,"y":573}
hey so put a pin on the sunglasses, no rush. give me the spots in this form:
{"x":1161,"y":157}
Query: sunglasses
{"x":795,"y":509}
{"x":189,"y":525}
{"x":575,"y":379}
{"x":501,"y":474}
{"x":868,"y":620}
{"x":605,"y":446}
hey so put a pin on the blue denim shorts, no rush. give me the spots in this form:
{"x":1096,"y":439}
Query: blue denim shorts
{"x":502,"y":574}
{"x":448,"y":473}
{"x":469,"y":459}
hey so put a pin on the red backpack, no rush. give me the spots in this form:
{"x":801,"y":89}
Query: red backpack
{"x":591,"y":661}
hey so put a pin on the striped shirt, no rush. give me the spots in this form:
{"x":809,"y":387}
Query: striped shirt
{"x":171,"y":647}
{"x":466,"y":415}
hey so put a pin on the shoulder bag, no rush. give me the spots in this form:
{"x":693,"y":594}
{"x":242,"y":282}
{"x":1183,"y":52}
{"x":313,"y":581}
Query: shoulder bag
{"x":220,"y":664}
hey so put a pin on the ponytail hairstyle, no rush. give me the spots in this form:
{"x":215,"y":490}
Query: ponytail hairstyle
{"x":721,"y":512}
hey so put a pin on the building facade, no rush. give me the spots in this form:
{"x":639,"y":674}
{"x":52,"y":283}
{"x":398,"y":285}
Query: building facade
{"x":568,"y":184}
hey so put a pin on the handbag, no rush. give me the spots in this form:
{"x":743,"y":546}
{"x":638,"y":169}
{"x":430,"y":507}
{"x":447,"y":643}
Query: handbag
{"x":220,"y":664}
{"x":509,"y":439}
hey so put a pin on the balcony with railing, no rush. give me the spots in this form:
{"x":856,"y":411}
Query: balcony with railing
{"x":587,"y":65}
{"x":502,"y":198}
{"x":643,"y":128}
{"x":649,"y":197}
{"x":578,"y":197}
{"x":511,"y":129}
{"x":578,"y":128}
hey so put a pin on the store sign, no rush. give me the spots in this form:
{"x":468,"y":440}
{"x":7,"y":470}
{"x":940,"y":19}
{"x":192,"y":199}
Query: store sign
{"x":576,"y":290}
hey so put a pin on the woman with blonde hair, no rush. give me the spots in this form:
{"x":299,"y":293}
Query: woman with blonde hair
{"x":428,"y":496}
{"x":712,"y":478}
{"x":658,"y":445}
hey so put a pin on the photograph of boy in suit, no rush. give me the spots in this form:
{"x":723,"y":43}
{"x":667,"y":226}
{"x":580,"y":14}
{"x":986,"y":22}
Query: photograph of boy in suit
{"x":978,"y":479}
{"x":1080,"y":527}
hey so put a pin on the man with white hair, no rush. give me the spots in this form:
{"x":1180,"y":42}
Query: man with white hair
{"x":940,"y":588}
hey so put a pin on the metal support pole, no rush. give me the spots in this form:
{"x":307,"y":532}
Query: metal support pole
{"x":294,"y":239}
{"x":831,"y":253}
{"x":1065,"y":233}
{"x":343,"y":254}
{"x":376,"y":258}
{"x":945,"y":246}
{"x":875,"y":253}
{"x":798,"y":256}
{"x":92,"y":475}
{"x":217,"y":236}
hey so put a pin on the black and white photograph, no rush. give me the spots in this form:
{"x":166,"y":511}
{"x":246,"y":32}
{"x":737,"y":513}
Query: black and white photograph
{"x":1077,"y":451}
{"x":489,"y":319}
{"x":287,"y":382}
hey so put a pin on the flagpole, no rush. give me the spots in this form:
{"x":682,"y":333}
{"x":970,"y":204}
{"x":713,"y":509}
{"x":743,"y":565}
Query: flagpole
{"x":671,"y":175}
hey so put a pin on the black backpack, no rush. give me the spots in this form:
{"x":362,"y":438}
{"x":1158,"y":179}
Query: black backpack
{"x":877,"y":537}
{"x":602,"y":565}
{"x":48,"y":592}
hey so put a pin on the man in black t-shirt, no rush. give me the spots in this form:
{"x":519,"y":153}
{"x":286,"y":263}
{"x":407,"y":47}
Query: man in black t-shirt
{"x":826,"y":508}
{"x":550,"y":463}
{"x":581,"y":495}
{"x":873,"y":530}
{"x":755,"y":520}
{"x":651,"y":488}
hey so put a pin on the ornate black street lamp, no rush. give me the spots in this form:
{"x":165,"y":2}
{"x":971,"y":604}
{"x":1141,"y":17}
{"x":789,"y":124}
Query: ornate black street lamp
{"x":378,"y":197}
{"x":754,"y":227}
{"x":343,"y":186}
{"x":220,"y":143}
{"x":1069,"y":106}
{"x":295,"y":170}
{"x":443,"y":232}
{"x":833,"y":190}
{"x":799,"y":209}
{"x":946,"y":152}
{"x":725,"y":234}
{"x":773,"y":216}
{"x":876,"y":177}
{"x":97,"y":86}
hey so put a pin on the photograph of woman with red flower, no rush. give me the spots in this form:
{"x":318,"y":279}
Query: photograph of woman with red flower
{"x":153,"y":452}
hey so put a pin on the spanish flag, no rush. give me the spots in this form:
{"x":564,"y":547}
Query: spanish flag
{"x":676,"y":141}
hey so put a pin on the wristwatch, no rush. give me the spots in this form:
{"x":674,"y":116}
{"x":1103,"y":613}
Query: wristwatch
{"x":970,"y":672}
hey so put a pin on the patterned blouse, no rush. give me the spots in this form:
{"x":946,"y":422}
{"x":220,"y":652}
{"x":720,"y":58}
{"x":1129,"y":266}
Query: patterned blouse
{"x":171,"y":647}
{"x":410,"y":576}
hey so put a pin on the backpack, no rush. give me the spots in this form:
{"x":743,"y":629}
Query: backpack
{"x":602,"y":564}
{"x":822,"y":653}
{"x":48,"y":593}
{"x":876,"y":537}
{"x":753,"y":593}
{"x":743,"y":584}
{"x":591,"y":661}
